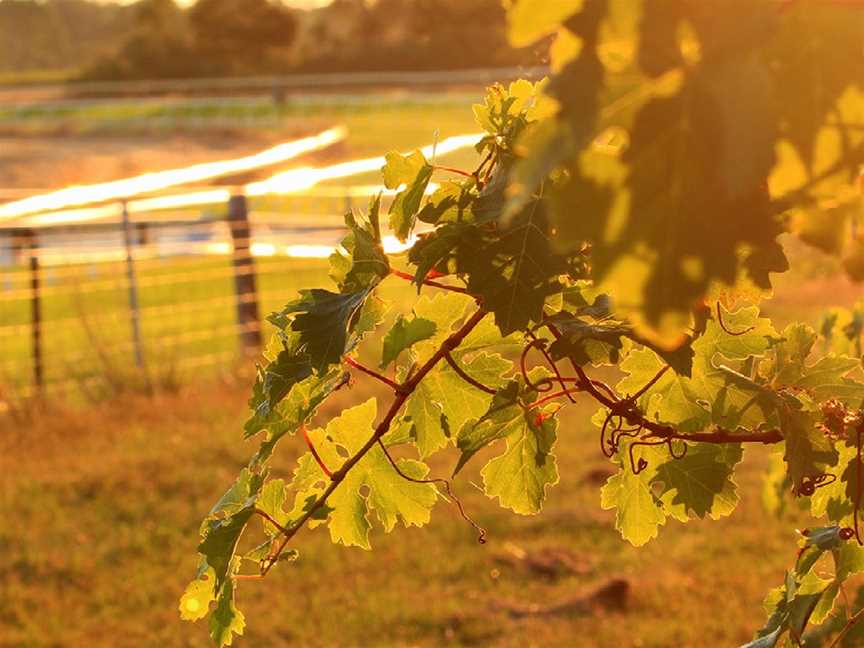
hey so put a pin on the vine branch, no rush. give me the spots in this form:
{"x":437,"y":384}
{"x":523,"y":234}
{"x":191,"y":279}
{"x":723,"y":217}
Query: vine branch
{"x":381,"y":429}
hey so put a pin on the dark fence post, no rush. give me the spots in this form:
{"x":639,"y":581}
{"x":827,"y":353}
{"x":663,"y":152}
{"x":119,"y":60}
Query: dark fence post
{"x":31,"y":243}
{"x":248,"y":321}
{"x":134,"y":308}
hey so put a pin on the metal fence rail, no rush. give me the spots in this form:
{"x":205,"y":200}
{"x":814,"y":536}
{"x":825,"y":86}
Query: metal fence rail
{"x":277,"y":84}
{"x":101,"y":307}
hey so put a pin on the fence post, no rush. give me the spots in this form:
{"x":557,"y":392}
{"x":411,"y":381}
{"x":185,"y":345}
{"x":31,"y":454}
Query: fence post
{"x":31,"y":243}
{"x":134,"y":308}
{"x":248,"y":321}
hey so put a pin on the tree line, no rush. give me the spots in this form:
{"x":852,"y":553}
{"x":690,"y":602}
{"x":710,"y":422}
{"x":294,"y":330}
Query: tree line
{"x":159,"y":39}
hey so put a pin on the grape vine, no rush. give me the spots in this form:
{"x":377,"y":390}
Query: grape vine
{"x":627,"y":212}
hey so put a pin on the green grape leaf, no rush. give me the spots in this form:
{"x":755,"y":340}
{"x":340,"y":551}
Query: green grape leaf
{"x":226,"y":621}
{"x":360,"y":262}
{"x":654,"y":256}
{"x":323,"y":320}
{"x":503,"y":417}
{"x":237,"y":497}
{"x":402,"y":169}
{"x":272,"y":384}
{"x":700,"y":483}
{"x":591,"y":335}
{"x":271,"y":500}
{"x":826,"y":603}
{"x":414,"y":172}
{"x":196,"y":599}
{"x":445,"y":309}
{"x":808,"y":451}
{"x":404,"y":334}
{"x":438,"y":249}
{"x":804,"y":597}
{"x":295,"y":409}
{"x":828,"y":377}
{"x":444,"y":404}
{"x":639,"y":513}
{"x":848,"y":560}
{"x":423,"y":421}
{"x":450,"y":203}
{"x":391,"y":497}
{"x":220,"y":542}
{"x":515,"y":272}
{"x":713,"y":394}
{"x":520,"y":477}
{"x":834,"y":499}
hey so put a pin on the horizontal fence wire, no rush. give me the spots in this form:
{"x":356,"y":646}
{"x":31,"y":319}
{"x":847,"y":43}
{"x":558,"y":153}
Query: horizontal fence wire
{"x":70,"y":323}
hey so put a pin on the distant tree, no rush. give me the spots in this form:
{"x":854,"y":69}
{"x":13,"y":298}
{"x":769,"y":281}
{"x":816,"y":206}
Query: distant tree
{"x":412,"y":35}
{"x":242,"y":36}
{"x":59,"y":34}
{"x":159,"y":47}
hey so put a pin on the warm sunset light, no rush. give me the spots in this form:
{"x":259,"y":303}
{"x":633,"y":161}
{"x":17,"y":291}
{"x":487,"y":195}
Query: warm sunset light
{"x":161,"y":180}
{"x":557,"y":340}
{"x":284,"y":183}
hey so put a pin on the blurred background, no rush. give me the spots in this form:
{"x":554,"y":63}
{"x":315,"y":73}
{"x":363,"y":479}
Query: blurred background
{"x":169,"y":174}
{"x":101,"y":92}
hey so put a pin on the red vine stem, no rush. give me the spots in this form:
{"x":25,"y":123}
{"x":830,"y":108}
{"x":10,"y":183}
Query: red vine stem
{"x":555,"y":396}
{"x":315,"y":452}
{"x":438,"y":167}
{"x":464,"y":376}
{"x":428,"y":282}
{"x":539,"y":344}
{"x":858,"y":432}
{"x":371,"y":372}
{"x":445,"y":483}
{"x":381,"y":429}
{"x":627,"y":409}
{"x":849,"y":624}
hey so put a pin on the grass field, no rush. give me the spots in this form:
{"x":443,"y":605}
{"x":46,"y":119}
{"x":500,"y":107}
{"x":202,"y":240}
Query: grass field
{"x":102,"y":508}
{"x":187,"y":303}
{"x":105,"y":512}
{"x":187,"y":318}
{"x":101,"y":504}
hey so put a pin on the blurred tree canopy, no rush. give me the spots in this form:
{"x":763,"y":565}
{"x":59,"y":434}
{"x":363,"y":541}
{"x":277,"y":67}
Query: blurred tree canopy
{"x":158,"y":39}
{"x":411,"y":35}
{"x":59,"y":34}
{"x":213,"y":38}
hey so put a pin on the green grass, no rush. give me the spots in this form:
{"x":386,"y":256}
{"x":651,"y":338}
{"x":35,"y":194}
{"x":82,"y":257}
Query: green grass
{"x":105,"y":508}
{"x":187,"y":318}
{"x":102,"y":507}
{"x":406,"y":122}
{"x":187,"y":313}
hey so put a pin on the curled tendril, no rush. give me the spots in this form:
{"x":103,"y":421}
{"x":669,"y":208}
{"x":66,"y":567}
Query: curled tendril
{"x":722,"y":324}
{"x":809,"y":485}
{"x":642,"y":464}
{"x":541,"y":386}
{"x":610,"y":445}
{"x":444,"y":484}
{"x":545,"y":384}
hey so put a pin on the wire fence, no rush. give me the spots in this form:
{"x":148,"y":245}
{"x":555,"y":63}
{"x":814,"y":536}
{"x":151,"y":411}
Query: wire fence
{"x":101,"y":308}
{"x":150,"y":289}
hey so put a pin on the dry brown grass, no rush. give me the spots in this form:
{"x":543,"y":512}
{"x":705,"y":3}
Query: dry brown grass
{"x":101,"y":509}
